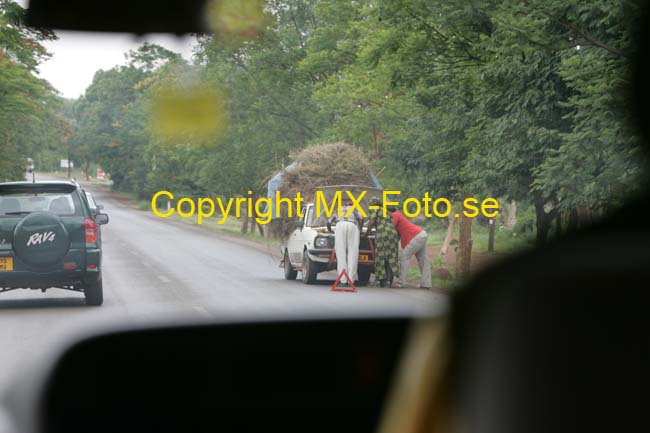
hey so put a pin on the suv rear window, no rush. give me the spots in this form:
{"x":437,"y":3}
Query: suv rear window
{"x":15,"y":202}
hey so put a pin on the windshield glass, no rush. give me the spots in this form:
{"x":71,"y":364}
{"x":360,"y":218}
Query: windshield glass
{"x":471,"y":131}
{"x":314,"y":220}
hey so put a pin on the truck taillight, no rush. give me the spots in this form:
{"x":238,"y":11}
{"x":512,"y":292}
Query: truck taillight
{"x":90,"y":228}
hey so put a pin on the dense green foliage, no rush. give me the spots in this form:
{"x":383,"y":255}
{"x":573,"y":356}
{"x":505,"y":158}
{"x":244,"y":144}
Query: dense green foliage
{"x":519,"y":100}
{"x":29,"y":122}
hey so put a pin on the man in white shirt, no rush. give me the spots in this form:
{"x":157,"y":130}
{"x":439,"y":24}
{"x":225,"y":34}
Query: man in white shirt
{"x":346,"y":241}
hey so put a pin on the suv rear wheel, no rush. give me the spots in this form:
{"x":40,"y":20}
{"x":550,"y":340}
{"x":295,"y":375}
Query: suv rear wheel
{"x":289,"y":272}
{"x":309,"y":269}
{"x":94,"y":293}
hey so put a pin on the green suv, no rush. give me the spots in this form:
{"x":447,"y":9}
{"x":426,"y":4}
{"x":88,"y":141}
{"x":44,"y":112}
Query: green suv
{"x":50,"y":239}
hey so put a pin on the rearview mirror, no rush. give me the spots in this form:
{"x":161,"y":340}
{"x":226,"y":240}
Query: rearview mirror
{"x":300,"y":224}
{"x":139,"y":17}
{"x":101,"y":219}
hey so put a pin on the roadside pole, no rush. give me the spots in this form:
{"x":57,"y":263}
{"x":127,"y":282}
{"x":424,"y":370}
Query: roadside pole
{"x":491,"y":235}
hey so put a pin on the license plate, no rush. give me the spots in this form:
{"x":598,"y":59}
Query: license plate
{"x":363,"y":258}
{"x":6,"y":264}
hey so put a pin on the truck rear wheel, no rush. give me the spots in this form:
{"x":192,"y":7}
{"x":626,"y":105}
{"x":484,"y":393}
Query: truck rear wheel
{"x":289,"y":272}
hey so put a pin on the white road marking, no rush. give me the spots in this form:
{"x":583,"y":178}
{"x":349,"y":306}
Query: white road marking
{"x":164,"y":279}
{"x":202,"y":311}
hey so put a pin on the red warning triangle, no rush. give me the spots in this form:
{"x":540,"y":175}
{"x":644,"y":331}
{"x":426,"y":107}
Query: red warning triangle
{"x":336,"y":288}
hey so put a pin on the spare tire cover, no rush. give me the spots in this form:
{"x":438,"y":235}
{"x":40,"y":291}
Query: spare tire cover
{"x":41,"y":239}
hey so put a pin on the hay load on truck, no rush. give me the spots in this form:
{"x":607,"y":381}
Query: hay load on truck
{"x":307,"y":247}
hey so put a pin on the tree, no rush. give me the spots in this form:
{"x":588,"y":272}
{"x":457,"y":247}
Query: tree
{"x":111,"y":119}
{"x":27,"y":104}
{"x":512,"y":94}
{"x":502,"y":98}
{"x":268,"y":100}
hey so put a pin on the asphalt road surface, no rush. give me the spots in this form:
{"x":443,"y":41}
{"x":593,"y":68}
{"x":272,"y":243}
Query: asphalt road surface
{"x":158,"y":270}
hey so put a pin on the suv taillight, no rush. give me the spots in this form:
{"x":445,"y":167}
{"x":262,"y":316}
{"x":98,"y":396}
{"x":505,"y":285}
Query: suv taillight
{"x":90,"y":227}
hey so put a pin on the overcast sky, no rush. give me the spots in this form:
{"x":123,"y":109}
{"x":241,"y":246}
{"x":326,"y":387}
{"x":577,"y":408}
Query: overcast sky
{"x":76,"y":56}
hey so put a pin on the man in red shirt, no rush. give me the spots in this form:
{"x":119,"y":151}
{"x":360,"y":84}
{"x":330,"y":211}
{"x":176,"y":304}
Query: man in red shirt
{"x":414,"y":243}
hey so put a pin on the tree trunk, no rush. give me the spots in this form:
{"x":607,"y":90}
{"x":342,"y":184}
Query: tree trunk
{"x":86,"y":169}
{"x":573,"y":220}
{"x":244,"y":227}
{"x":376,"y":138}
{"x":543,"y":219}
{"x":584,"y":216}
{"x":558,"y":224}
{"x":464,"y":256}
{"x":510,"y":215}
{"x":449,"y":236}
{"x":492,"y":224}
{"x":254,"y":219}
{"x":541,"y":223}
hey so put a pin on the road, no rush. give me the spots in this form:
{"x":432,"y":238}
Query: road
{"x":159,"y":271}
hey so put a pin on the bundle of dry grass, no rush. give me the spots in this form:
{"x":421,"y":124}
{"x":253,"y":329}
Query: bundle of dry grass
{"x":324,"y":164}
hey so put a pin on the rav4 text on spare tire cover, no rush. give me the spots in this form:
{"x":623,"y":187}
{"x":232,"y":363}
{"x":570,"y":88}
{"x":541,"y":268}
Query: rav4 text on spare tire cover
{"x":41,"y":239}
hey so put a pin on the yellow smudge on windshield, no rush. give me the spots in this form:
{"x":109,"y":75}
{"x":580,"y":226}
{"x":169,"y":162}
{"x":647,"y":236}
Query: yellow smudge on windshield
{"x":196,"y":115}
{"x":236,"y":20}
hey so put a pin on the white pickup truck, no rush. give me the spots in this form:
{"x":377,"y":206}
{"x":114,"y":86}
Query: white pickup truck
{"x":309,"y":248}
